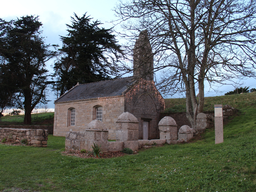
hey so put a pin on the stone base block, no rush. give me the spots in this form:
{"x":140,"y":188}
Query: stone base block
{"x":121,"y":135}
{"x":133,"y":145}
{"x":185,"y":137}
{"x":151,"y":142}
{"x":165,"y":135}
{"x":67,"y":144}
{"x":170,"y":141}
{"x":115,"y":146}
{"x":103,"y":145}
{"x":36,"y":142}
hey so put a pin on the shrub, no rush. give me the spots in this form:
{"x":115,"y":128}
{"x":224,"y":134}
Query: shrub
{"x":252,"y":90}
{"x":127,"y":150}
{"x":15,"y":112}
{"x":4,"y":140}
{"x":96,"y":150}
{"x":83,"y":151}
{"x":238,"y":91}
{"x":24,"y":141}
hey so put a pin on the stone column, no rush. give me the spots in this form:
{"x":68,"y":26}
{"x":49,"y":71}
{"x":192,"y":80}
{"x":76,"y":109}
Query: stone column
{"x":168,"y":129}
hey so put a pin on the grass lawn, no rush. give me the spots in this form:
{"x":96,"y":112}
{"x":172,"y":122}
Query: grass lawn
{"x":238,"y":101}
{"x":18,"y":119}
{"x":197,"y":166}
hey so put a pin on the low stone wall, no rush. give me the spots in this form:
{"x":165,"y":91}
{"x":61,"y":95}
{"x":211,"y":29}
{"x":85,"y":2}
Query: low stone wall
{"x":127,"y":135}
{"x":34,"y":137}
{"x":76,"y":141}
{"x":229,"y":111}
{"x":48,"y":127}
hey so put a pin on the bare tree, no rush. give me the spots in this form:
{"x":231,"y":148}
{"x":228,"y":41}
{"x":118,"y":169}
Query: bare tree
{"x":196,"y":41}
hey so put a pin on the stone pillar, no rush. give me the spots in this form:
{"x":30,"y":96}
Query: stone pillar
{"x":218,"y":113}
{"x":127,"y":130}
{"x":168,"y":129}
{"x":185,"y":133}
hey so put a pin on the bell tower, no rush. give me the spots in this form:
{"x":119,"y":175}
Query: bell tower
{"x":143,"y":57}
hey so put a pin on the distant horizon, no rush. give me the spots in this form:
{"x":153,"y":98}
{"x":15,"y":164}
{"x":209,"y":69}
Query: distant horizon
{"x":34,"y":111}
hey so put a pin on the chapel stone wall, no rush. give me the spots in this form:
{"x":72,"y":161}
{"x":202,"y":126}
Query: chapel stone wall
{"x":145,"y":102}
{"x":112,"y":108}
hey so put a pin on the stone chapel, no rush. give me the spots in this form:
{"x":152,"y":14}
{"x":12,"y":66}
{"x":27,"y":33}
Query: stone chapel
{"x":106,"y":100}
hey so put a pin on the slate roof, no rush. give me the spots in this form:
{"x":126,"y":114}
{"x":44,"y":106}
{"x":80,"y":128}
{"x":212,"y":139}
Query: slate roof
{"x":108,"y":88}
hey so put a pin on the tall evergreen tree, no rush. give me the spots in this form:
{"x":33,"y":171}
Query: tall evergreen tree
{"x":25,"y":53}
{"x":6,"y":87}
{"x":6,"y":83}
{"x":88,"y":54}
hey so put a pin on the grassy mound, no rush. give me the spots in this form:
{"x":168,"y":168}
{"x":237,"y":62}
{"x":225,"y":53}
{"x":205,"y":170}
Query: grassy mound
{"x":238,"y":101}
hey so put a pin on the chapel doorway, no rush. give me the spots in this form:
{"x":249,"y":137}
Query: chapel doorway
{"x":145,"y":128}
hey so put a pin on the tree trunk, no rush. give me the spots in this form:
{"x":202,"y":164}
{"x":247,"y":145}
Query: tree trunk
{"x":191,"y":103}
{"x":191,"y":96}
{"x":201,"y":96}
{"x":28,"y":108}
{"x":27,"y":117}
{"x":189,"y":110}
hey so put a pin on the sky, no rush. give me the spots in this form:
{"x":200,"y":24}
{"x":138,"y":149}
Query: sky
{"x":55,"y":14}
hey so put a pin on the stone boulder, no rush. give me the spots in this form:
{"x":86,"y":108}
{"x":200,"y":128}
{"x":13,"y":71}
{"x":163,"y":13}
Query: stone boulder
{"x":185,"y":133}
{"x":203,"y":121}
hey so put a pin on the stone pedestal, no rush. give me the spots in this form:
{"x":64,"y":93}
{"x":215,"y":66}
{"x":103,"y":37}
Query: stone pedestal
{"x":127,"y":130}
{"x":127,"y":127}
{"x":95,"y":133}
{"x":99,"y":137}
{"x":168,"y":129}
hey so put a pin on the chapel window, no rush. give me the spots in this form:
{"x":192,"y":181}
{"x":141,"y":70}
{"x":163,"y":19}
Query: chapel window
{"x":98,"y":113}
{"x":72,"y":117}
